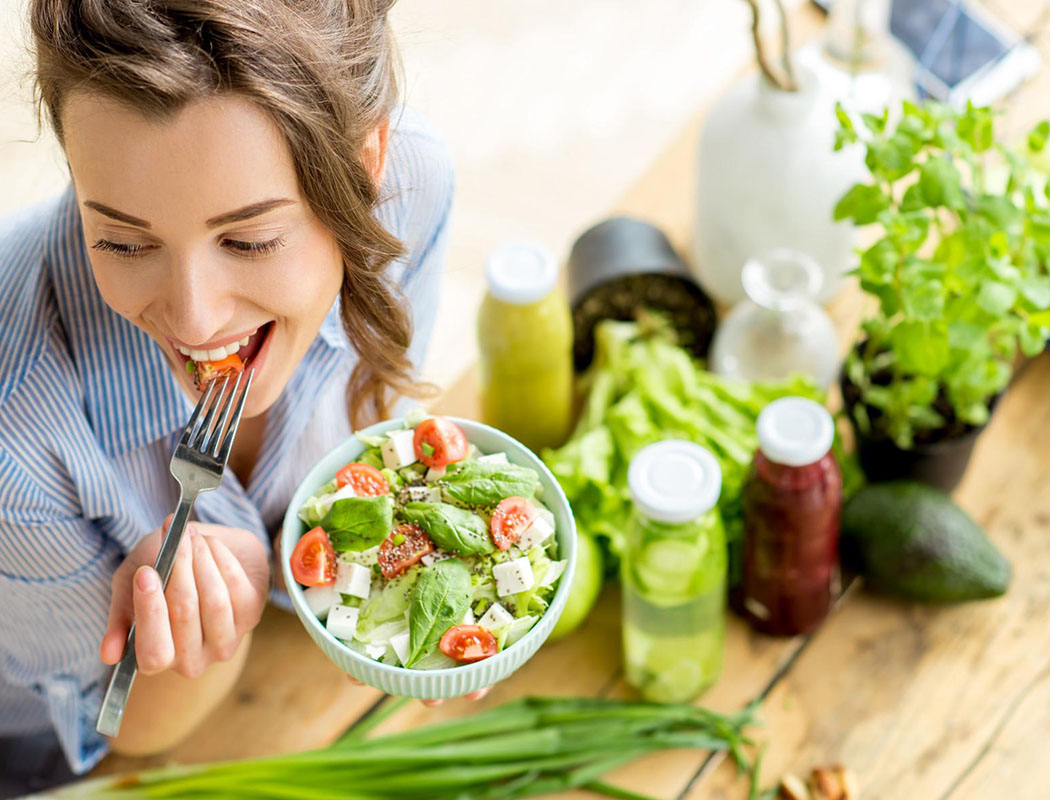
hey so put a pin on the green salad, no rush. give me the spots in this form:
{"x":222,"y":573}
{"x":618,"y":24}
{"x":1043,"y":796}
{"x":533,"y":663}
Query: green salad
{"x":424,"y":552}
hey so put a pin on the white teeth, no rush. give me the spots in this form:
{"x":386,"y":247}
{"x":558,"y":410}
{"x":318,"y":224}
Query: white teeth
{"x":216,"y":354}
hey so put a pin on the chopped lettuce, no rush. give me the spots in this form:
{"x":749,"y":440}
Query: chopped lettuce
{"x":643,"y":388}
{"x":387,"y":604}
{"x":509,"y":634}
{"x":316,"y":506}
{"x":395,"y":480}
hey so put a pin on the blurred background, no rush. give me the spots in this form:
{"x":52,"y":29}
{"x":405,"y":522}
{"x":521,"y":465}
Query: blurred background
{"x":552,"y":110}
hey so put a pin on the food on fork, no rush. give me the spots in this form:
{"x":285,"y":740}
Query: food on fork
{"x":205,"y":371}
{"x":229,"y":360}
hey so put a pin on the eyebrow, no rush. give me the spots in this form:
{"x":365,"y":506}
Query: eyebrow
{"x":238,"y":215}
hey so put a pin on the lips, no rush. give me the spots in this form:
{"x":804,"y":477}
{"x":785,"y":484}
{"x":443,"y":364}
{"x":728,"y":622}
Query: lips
{"x":246,"y":352}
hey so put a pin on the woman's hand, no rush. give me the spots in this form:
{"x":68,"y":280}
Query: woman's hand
{"x":215,"y":595}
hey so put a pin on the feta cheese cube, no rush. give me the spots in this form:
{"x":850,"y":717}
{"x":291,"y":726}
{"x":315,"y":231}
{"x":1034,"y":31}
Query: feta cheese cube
{"x":513,"y":576}
{"x":496,"y":617}
{"x":468,"y":618}
{"x":400,"y":645}
{"x":494,"y":458}
{"x":435,"y":474}
{"x":419,"y":494}
{"x":375,"y":650}
{"x":342,"y":622}
{"x":321,"y":599}
{"x":325,"y":504}
{"x":398,"y":450}
{"x":538,"y":532}
{"x":353,"y":579}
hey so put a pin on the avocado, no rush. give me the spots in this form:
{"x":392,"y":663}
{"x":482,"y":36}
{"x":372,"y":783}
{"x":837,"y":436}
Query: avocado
{"x":912,"y":541}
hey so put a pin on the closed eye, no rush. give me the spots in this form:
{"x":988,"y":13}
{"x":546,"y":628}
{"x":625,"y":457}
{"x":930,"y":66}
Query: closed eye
{"x":121,"y":250}
{"x":254,"y":249}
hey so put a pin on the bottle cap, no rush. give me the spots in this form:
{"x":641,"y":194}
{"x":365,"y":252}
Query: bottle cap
{"x":794,"y":431}
{"x":520,"y":273}
{"x":674,"y":481}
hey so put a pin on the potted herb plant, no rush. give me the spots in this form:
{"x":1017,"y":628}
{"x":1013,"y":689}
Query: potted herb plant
{"x":960,"y":277}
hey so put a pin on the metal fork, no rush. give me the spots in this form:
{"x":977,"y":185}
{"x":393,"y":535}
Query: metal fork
{"x":197,"y":464}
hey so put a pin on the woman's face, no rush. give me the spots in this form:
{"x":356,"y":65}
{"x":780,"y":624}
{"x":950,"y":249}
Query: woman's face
{"x":198,"y":234}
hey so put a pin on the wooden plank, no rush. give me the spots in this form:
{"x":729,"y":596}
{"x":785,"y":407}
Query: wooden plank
{"x":1014,"y":763}
{"x":909,"y":695}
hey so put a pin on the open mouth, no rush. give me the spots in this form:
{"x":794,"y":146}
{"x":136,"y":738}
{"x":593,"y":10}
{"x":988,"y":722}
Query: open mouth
{"x":233,"y":362}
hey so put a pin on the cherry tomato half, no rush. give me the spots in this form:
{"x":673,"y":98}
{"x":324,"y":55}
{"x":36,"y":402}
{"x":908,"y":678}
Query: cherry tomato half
{"x":402,"y":549}
{"x":366,"y":480}
{"x":313,"y":559}
{"x":439,"y":441}
{"x":468,"y":643}
{"x":509,"y":521}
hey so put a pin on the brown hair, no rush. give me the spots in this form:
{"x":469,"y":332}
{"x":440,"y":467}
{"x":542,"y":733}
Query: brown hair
{"x":325,"y":71}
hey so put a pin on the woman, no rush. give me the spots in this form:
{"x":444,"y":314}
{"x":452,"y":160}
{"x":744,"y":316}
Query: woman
{"x":242,"y":180}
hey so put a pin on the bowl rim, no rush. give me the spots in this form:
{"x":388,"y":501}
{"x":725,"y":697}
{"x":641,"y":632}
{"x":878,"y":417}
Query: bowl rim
{"x":291,"y":524}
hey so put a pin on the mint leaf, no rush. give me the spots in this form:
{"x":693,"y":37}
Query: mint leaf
{"x":996,"y":298}
{"x":359,"y":523}
{"x":941,"y":184}
{"x":921,"y":347}
{"x":862,"y":203}
{"x":923,"y":300}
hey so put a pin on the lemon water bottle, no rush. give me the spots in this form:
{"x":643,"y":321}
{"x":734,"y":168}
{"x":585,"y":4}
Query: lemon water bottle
{"x":674,"y":573}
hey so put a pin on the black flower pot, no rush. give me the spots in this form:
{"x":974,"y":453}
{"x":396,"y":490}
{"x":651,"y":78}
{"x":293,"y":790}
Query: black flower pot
{"x":939,"y":463}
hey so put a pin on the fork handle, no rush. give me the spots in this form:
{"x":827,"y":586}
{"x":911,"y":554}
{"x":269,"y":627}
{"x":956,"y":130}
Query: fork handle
{"x":116,"y":699}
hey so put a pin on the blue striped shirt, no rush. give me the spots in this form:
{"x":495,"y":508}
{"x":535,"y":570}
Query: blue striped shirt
{"x":89,"y":413}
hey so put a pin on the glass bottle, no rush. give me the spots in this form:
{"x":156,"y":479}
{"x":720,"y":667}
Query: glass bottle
{"x":792,"y":504}
{"x":781,"y":329}
{"x":525,"y":343}
{"x":674,"y":573}
{"x":858,"y":62}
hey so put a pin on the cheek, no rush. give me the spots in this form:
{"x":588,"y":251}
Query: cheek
{"x":125,"y":292}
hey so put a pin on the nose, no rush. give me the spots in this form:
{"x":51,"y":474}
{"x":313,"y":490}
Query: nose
{"x":198,"y":300}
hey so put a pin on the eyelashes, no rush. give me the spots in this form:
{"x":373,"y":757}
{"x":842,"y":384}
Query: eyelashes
{"x":240,"y":248}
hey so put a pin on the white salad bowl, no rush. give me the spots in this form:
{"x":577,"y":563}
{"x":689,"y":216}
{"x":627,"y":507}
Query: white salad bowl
{"x":432,"y":683}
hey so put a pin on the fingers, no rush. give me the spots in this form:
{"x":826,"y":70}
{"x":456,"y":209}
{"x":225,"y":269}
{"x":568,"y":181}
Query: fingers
{"x":184,"y":610}
{"x":120,"y":615}
{"x":154,"y":647}
{"x":216,"y":612}
{"x":245,"y":601}
{"x":480,"y":693}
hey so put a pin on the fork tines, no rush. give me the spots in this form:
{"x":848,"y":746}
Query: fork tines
{"x":219,"y":401}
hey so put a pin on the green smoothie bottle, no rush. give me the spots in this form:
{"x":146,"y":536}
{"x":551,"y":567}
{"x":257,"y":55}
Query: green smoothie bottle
{"x":525,"y":341}
{"x":674,"y":573}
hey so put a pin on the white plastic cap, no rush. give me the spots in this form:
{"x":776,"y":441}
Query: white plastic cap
{"x":520,"y":273}
{"x":674,"y":481}
{"x":794,"y":431}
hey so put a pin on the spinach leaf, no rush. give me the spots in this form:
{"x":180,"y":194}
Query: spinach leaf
{"x":452,"y":528}
{"x":481,"y":483}
{"x":439,"y":601}
{"x":358,"y":523}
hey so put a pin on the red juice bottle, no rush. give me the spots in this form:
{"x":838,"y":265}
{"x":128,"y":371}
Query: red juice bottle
{"x":792,"y":504}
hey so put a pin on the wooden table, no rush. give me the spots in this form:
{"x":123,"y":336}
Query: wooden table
{"x":920,"y":702}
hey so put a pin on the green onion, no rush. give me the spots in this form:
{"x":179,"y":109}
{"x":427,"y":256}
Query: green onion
{"x":520,"y":749}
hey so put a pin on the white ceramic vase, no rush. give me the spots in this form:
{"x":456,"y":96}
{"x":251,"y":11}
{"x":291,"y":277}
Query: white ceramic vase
{"x":769,"y":178}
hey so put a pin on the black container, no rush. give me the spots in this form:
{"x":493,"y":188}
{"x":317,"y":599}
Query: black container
{"x":940,"y":464}
{"x":623,"y":265}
